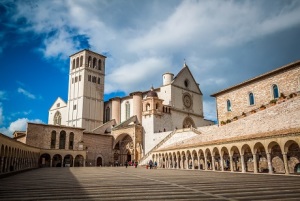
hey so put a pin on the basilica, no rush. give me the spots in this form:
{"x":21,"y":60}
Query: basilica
{"x":257,"y":131}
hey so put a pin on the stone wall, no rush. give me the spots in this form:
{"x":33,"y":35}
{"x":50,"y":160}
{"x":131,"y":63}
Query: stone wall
{"x":98,"y":145}
{"x":39,"y":135}
{"x":280,"y":116}
{"x":287,"y":81}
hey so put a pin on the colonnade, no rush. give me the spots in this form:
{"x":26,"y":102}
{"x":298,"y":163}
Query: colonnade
{"x":279,"y":155}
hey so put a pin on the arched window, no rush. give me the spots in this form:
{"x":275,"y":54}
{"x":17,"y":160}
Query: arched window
{"x":251,"y":98}
{"x":77,"y":62}
{"x":62,"y":140}
{"x":107,"y":114}
{"x":81,"y":61}
{"x":53,"y":139}
{"x":90,"y":61}
{"x":127,"y":110}
{"x":156,"y":106}
{"x":228,"y":106}
{"x":147,"y":107}
{"x":57,"y":118}
{"x":71,"y":140}
{"x":275,"y":91}
{"x":73,"y":65}
{"x":99,"y":64}
{"x":94,"y":62}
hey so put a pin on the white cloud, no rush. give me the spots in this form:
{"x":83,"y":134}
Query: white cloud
{"x":3,"y":95}
{"x":26,"y":93}
{"x":209,"y":108}
{"x":18,"y":125}
{"x":126,"y":76}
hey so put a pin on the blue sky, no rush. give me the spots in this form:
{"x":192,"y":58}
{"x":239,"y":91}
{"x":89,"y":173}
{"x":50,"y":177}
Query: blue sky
{"x":223,"y":43}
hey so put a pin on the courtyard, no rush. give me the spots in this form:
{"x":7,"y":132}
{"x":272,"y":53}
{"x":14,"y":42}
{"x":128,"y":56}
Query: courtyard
{"x":120,"y":183}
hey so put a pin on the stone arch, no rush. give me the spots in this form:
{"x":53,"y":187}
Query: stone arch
{"x":293,"y":156}
{"x":79,"y":161}
{"x":45,"y":160}
{"x":260,"y":150}
{"x":201,"y":159}
{"x":189,"y":159}
{"x":188,"y":122}
{"x":99,"y":160}
{"x":276,"y":157}
{"x":208,"y":157}
{"x":195,"y":160}
{"x":226,"y":158}
{"x":124,"y":146}
{"x":247,"y":156}
{"x":57,"y":160}
{"x":68,"y":161}
{"x":184,"y":160}
{"x":216,"y":159}
{"x":179,"y":159}
{"x":236,"y":163}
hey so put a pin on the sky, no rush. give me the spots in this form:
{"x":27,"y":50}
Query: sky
{"x":222,"y":42}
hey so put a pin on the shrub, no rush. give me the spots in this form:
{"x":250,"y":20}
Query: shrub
{"x":228,"y":121}
{"x":262,"y":107}
{"x":292,"y":95}
{"x":273,"y":101}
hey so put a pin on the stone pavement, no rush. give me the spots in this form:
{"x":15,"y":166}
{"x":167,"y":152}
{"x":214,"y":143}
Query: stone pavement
{"x":119,"y":183}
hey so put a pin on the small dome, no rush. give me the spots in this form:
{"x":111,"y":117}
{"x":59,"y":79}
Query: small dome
{"x":151,"y":93}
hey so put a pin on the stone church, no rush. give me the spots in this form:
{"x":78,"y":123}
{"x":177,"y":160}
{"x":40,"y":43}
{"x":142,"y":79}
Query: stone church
{"x":122,"y":128}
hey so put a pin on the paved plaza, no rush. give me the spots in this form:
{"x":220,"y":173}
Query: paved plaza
{"x":119,"y":183}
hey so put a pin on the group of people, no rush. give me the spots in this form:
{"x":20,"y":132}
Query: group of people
{"x":152,"y":165}
{"x":129,"y":163}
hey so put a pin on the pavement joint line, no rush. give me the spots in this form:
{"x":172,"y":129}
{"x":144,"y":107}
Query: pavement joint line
{"x":177,"y":185}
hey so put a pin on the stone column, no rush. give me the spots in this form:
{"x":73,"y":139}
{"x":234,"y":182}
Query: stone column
{"x":213,"y":163}
{"x":193,"y":165}
{"x":222,"y":163}
{"x":199,"y":162}
{"x":83,"y":162}
{"x":269,"y":163}
{"x":243,"y":164}
{"x":286,"y":165}
{"x":205,"y":163}
{"x":177,"y":161}
{"x":50,"y":162}
{"x":231,"y":163}
{"x":255,"y":163}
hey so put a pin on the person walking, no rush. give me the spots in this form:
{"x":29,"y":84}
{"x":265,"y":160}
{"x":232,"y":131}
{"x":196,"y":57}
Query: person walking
{"x":126,"y":163}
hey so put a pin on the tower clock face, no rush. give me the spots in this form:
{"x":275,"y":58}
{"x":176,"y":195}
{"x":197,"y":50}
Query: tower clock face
{"x":187,"y":101}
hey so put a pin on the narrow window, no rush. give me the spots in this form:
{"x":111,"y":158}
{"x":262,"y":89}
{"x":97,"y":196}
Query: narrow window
{"x":94,"y":79}
{"x":81,"y":61}
{"x":98,"y":80}
{"x":99,"y":64}
{"x":77,"y":62}
{"x":107,"y":114}
{"x":89,"y":77}
{"x":72,"y":80}
{"x":79,"y":78}
{"x":73,"y":65}
{"x":156,"y":106}
{"x":76,"y":79}
{"x":228,"y":106}
{"x":71,"y":140}
{"x":62,"y":140}
{"x":275,"y":91}
{"x":94,"y":63}
{"x":90,"y":61}
{"x":53,"y":139}
{"x":74,"y":107}
{"x":127,"y":110}
{"x":251,"y":99}
{"x":58,"y":105}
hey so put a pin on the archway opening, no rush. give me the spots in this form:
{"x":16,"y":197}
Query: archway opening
{"x":99,"y":161}
{"x":188,"y":122}
{"x":44,"y":160}
{"x":79,"y":161}
{"x":57,"y":160}
{"x":68,"y":161}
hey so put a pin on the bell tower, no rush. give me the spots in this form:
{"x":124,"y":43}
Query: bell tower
{"x":86,"y":90}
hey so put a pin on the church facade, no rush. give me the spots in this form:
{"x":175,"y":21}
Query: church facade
{"x":258,"y":124}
